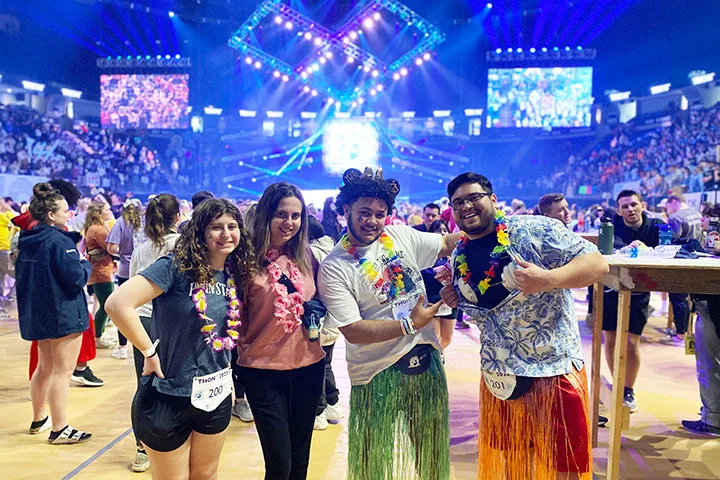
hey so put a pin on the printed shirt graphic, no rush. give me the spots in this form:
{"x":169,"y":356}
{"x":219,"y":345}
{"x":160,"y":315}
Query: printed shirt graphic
{"x":535,"y":335}
{"x":349,"y":296}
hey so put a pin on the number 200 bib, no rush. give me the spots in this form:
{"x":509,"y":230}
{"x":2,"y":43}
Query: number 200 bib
{"x":209,"y":391}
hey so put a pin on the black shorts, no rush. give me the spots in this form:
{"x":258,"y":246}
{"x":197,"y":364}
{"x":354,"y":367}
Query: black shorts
{"x":165,"y":422}
{"x":639,"y":311}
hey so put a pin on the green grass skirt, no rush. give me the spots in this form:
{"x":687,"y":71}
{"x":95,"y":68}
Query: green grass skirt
{"x":399,"y":426}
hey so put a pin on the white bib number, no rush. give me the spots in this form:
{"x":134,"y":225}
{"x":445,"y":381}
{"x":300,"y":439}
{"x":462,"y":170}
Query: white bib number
{"x":209,"y":391}
{"x":402,"y":307}
{"x":500,"y":385}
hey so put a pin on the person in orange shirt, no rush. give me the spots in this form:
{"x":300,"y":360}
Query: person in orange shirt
{"x":101,"y":278}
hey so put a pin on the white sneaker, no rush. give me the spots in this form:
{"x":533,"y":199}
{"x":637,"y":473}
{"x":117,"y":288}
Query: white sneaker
{"x":321,"y":422}
{"x":104,"y":343}
{"x":121,"y":353}
{"x":334,"y":413}
{"x":242,"y":410}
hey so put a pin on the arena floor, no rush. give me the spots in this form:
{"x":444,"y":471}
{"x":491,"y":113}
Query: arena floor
{"x":653,"y":448}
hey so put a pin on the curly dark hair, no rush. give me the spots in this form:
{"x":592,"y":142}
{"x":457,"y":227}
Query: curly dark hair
{"x":191,"y":253}
{"x":357,"y":185}
{"x":46,"y":199}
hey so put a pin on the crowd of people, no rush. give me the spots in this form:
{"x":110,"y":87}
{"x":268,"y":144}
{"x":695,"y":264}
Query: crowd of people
{"x":683,"y":153}
{"x":144,"y":101}
{"x":53,"y":146}
{"x":250,"y":296}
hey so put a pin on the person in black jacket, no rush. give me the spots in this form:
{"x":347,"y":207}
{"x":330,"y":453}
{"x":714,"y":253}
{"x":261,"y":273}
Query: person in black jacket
{"x":52,"y":309}
{"x":633,"y":227}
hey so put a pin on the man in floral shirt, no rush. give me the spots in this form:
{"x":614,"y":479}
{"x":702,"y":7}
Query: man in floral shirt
{"x":512,"y":276}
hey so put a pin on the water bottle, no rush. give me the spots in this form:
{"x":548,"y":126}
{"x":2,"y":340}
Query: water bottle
{"x":712,"y":240}
{"x":664,"y":235}
{"x":606,"y":237}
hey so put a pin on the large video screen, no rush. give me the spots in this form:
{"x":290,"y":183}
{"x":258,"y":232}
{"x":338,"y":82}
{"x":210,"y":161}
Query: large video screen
{"x":144,"y":101}
{"x":539,"y":97}
{"x":351,"y":143}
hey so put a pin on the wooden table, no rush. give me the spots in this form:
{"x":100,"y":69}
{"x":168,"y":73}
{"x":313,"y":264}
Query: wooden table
{"x":590,"y":237}
{"x":629,"y":275}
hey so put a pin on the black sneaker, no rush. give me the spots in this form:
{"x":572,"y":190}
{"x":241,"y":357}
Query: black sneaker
{"x":86,"y":378}
{"x":701,"y":428}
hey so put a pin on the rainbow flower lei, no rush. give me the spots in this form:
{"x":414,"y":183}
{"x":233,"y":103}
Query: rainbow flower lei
{"x":461,"y":265}
{"x":216,"y":342}
{"x":374,"y":277}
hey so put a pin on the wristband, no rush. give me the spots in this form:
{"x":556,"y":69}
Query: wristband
{"x":410,"y":325}
{"x":151,"y":351}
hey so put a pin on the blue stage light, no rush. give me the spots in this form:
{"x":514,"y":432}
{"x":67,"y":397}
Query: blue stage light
{"x":159,"y":57}
{"x":119,"y":57}
{"x":532,"y":50}
{"x":498,"y":50}
{"x":579,"y":48}
{"x":129,"y":57}
{"x":177,"y":57}
{"x":138,"y":57}
{"x":109,"y":57}
{"x":544,"y":49}
{"x":171,"y":14}
{"x":147,"y":57}
{"x":556,"y":49}
{"x":519,"y":50}
{"x":167,"y":57}
{"x":489,"y":5}
{"x":567,"y":49}
{"x":509,"y":50}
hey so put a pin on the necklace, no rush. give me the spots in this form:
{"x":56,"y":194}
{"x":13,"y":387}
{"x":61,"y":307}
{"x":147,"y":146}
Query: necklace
{"x":289,"y":307}
{"x":461,"y":265}
{"x":391,"y":289}
{"x":216,"y":342}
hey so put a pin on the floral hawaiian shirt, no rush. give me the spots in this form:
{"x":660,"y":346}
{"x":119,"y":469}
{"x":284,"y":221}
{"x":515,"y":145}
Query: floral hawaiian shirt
{"x":534,"y":335}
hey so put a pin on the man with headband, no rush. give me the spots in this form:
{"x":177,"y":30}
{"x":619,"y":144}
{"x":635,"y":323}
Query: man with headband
{"x":373,"y":289}
{"x":512,"y":276}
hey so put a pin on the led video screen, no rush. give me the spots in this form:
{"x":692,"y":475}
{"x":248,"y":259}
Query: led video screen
{"x":539,"y":97}
{"x":351,"y":143}
{"x":144,"y":101}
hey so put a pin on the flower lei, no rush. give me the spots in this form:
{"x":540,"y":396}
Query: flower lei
{"x":216,"y":342}
{"x":503,"y":243}
{"x":289,"y":307}
{"x":371,"y":274}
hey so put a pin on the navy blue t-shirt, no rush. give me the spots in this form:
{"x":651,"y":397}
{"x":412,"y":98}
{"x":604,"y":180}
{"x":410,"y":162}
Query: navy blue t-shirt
{"x":183,"y":352}
{"x":477,"y":254}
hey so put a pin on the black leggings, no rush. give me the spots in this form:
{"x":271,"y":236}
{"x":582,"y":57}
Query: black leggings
{"x":122,"y":341}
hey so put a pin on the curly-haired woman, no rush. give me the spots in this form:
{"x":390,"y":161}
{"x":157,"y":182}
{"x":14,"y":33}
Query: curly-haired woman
{"x":281,"y":370}
{"x":184,"y":401}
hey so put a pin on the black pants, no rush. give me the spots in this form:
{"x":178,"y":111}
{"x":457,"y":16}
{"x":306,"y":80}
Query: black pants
{"x":237,"y":384}
{"x":122,"y":341}
{"x":283,"y":403}
{"x":330,"y":394}
{"x":681,"y":311}
{"x":139,"y":361}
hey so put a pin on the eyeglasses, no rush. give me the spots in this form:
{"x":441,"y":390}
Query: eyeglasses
{"x":474,"y":199}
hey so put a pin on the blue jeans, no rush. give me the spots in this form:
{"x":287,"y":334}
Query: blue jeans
{"x":707,"y":361}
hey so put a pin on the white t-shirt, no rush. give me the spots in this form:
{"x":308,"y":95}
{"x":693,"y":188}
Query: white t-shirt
{"x":349,"y":296}
{"x":144,"y":256}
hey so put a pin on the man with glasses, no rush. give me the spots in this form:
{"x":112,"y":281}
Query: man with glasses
{"x":374,"y":293}
{"x":512,"y":275}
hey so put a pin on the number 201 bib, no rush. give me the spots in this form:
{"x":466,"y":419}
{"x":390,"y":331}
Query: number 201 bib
{"x":209,"y":391}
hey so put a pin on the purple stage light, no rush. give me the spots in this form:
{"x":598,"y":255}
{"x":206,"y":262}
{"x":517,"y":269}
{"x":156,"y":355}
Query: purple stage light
{"x":427,"y":57}
{"x":276,"y":74}
{"x":404,"y":71}
{"x":306,"y":89}
{"x":368,"y":23}
{"x":278,"y":20}
{"x":396,"y":76}
{"x":308,"y":36}
{"x":285,"y":78}
{"x":418,"y":61}
{"x":289,"y":25}
{"x":380,"y":88}
{"x":258,"y":64}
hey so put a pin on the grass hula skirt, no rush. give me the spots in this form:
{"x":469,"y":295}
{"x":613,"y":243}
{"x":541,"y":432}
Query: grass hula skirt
{"x":399,"y":426}
{"x":538,"y":436}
